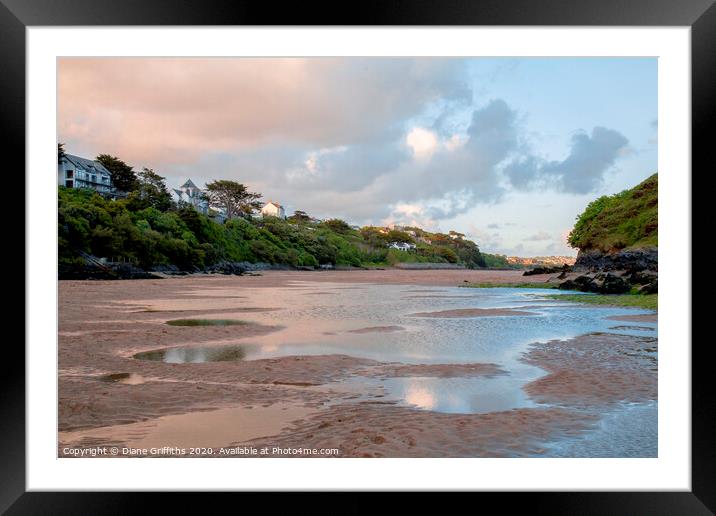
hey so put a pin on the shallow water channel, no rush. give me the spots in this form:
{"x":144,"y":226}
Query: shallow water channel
{"x":406,"y":324}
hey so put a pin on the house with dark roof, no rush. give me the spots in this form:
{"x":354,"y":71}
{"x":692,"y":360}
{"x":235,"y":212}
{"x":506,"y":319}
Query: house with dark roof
{"x":77,"y":172}
{"x":189,"y":193}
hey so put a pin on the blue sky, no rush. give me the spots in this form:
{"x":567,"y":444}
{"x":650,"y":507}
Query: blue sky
{"x":506,"y":150}
{"x":558,"y":97}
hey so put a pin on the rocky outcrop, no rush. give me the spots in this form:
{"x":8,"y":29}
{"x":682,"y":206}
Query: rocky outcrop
{"x":613,"y":273}
{"x":601,"y":282}
{"x":633,"y":260}
{"x":172,"y":270}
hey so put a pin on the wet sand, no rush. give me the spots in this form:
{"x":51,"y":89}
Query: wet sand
{"x":108,"y":398}
{"x":595,"y":370}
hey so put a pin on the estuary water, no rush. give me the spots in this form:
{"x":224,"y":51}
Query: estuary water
{"x":407,"y":324}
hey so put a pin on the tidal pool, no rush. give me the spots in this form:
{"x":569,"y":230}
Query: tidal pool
{"x":194,"y":354}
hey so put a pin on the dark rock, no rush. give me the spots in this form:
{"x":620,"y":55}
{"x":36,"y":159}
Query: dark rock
{"x":609,"y":283}
{"x":226,"y":268}
{"x":649,"y":288}
{"x":84,"y":272}
{"x":583,"y":283}
{"x":166,"y":269}
{"x":172,"y":270}
{"x":643,"y":277}
{"x":632,"y":260}
{"x":547,"y":270}
{"x":613,"y":273}
{"x":129,"y":271}
{"x":615,"y":282}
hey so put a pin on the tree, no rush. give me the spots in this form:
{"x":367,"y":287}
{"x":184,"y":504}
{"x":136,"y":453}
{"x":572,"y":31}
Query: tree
{"x":395,"y":235}
{"x":299,"y":217}
{"x":337,"y":225}
{"x":441,"y":239}
{"x":373,"y":236}
{"x":60,"y":151}
{"x":123,"y":176}
{"x":233,"y":197}
{"x":447,"y":253}
{"x":151,"y":191}
{"x":469,"y":253}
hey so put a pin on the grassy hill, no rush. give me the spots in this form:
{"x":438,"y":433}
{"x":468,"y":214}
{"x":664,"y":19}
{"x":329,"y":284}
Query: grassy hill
{"x":627,"y":220}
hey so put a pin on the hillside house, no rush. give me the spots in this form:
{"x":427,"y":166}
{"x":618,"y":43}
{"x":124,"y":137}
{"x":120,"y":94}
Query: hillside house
{"x":401,"y":246}
{"x":273,"y":209}
{"x":189,"y":193}
{"x":76,"y":172}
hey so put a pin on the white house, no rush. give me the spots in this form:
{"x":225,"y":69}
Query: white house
{"x":76,"y":172}
{"x":191,"y":194}
{"x":273,"y":209}
{"x":402,"y":246}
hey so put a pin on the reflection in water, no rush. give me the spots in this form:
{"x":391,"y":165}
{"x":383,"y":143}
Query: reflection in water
{"x":419,"y":396}
{"x":197,"y":354}
{"x":452,"y":395}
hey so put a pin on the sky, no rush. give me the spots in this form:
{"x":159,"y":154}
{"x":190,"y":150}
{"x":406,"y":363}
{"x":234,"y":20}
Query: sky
{"x":508,"y":151}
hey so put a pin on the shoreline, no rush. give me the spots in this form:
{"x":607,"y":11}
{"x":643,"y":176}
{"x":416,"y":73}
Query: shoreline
{"x":94,"y":273}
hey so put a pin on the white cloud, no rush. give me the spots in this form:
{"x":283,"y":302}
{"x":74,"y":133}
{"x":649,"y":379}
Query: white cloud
{"x":423,"y":142}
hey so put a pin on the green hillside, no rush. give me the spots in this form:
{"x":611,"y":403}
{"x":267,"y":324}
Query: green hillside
{"x":150,"y":233}
{"x":628,"y":219}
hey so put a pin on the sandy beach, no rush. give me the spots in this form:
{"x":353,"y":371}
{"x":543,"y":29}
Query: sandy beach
{"x":109,"y":397}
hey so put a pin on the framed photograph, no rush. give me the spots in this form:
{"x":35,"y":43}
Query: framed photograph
{"x":416,"y":250}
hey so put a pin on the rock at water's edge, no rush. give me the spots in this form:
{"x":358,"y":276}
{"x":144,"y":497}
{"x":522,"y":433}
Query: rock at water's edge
{"x":631,"y":260}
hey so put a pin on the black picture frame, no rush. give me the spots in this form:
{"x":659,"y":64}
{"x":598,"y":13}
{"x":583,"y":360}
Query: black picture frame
{"x":700,"y":15}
